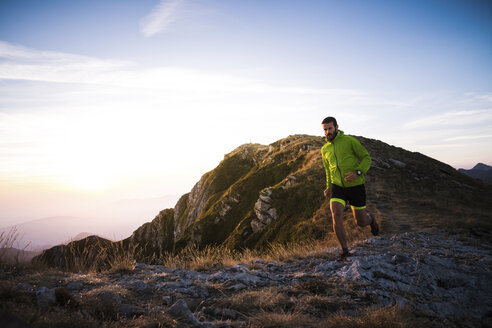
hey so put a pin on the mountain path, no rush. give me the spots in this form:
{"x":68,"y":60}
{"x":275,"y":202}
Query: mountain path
{"x":438,"y":275}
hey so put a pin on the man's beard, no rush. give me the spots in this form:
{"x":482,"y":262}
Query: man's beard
{"x":330,"y":137}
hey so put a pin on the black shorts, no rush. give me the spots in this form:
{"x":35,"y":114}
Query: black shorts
{"x":356,"y":196}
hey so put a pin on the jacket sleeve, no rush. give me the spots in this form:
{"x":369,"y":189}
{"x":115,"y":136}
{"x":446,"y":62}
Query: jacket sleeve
{"x":327,"y":171}
{"x":363,"y":155}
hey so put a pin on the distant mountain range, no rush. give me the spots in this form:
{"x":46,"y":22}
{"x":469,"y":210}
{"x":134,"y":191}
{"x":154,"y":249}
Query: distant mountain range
{"x":114,"y":220}
{"x":480,"y":171}
{"x":264,"y":194}
{"x":14,"y":255}
{"x":43,"y":233}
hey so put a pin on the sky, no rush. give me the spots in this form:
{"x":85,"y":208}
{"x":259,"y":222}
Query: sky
{"x":105,"y":101}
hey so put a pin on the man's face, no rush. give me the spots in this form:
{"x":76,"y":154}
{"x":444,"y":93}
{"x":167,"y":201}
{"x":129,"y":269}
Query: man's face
{"x":330,"y":130}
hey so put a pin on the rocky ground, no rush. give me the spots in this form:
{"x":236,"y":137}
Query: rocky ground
{"x":446,"y":279}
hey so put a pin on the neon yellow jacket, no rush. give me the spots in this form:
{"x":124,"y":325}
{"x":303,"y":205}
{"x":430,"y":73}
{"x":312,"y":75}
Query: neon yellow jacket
{"x":344,"y":154}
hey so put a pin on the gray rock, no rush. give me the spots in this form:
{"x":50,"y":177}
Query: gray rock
{"x":245,"y":278}
{"x":45,"y":297}
{"x":264,"y":211}
{"x":108,"y":297}
{"x":397,"y":162}
{"x":139,"y":285}
{"x":167,"y":300}
{"x":237,"y":287}
{"x":179,"y":284}
{"x":399,"y":258}
{"x":225,"y":313}
{"x":194,"y":291}
{"x":181,"y":311}
{"x":75,"y":286}
{"x":142,"y":266}
{"x":129,"y":310}
{"x":327,"y":266}
{"x":24,"y":286}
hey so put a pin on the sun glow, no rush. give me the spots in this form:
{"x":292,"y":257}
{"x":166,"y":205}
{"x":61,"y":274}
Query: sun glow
{"x":89,"y":181}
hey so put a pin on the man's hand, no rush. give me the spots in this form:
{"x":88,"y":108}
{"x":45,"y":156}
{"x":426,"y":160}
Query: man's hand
{"x":327,"y":193}
{"x":350,"y":176}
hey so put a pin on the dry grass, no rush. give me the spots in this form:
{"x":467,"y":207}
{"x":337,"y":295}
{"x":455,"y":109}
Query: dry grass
{"x":217,"y":257}
{"x":318,"y":305}
{"x":58,"y":319}
{"x":8,"y":241}
{"x":103,"y":303}
{"x":392,"y":316}
{"x":121,"y":259}
{"x":8,"y":292}
{"x":154,"y":320}
{"x":295,"y":251}
{"x":109,"y":257}
{"x":282,"y":320}
{"x":193,"y":258}
{"x":268,"y":299}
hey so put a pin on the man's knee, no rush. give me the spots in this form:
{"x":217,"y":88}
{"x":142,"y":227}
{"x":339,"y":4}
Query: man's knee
{"x":360,"y":223}
{"x":360,"y":217}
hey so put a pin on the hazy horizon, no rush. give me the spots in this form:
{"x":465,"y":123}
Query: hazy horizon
{"x":102,"y":101}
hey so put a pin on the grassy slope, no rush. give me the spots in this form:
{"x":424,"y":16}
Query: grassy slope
{"x":421,"y":193}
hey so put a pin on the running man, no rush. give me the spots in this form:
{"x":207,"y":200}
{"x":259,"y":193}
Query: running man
{"x":346,"y":162}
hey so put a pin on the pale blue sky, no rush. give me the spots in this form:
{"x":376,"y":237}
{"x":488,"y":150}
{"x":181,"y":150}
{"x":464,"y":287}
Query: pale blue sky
{"x":136,"y":99}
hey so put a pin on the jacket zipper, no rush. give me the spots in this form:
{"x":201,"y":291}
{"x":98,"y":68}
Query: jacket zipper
{"x":336,"y":160}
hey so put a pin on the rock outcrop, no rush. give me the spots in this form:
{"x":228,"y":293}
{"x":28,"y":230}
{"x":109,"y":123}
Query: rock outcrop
{"x":265,"y":212}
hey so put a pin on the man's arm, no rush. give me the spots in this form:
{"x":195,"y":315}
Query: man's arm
{"x":326,"y":164}
{"x":362,"y":155}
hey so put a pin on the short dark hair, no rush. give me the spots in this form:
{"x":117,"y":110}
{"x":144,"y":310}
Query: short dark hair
{"x":330,"y":119}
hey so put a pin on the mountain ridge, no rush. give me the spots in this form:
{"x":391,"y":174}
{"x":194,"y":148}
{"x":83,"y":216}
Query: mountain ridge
{"x":480,"y":171}
{"x":264,"y":194}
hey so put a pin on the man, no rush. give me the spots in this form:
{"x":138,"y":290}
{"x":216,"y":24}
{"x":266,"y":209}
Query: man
{"x":346,"y":162}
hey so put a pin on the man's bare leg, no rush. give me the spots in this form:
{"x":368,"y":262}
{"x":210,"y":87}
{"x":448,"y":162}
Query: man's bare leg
{"x":363,"y":218}
{"x":337,"y":215}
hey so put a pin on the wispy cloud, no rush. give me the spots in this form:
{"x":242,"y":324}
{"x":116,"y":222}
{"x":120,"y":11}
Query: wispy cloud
{"x":464,"y":138}
{"x":22,"y":63}
{"x":480,"y":96}
{"x":452,"y":119}
{"x":161,"y":17}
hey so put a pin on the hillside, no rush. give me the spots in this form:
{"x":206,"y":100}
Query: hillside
{"x":265,"y":194}
{"x":259,"y":195}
